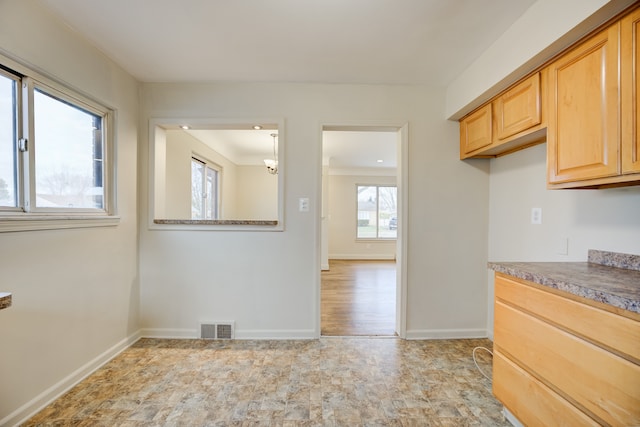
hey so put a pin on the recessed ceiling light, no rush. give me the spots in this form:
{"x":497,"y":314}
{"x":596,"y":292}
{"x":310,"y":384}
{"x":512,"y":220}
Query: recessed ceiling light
{"x":257,"y":127}
{"x":379,"y":161}
{"x":185,"y":127}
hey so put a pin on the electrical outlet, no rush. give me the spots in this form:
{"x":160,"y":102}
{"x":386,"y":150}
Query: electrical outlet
{"x":536,"y":215}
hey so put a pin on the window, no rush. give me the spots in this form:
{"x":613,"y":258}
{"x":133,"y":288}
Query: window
{"x":204,"y":189}
{"x":54,"y":151}
{"x":377,"y":207}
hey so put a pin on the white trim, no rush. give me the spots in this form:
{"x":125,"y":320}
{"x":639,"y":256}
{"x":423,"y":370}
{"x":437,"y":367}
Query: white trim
{"x":255,"y":334}
{"x":384,"y":257}
{"x":438,"y":334}
{"x":45,"y":222}
{"x":511,"y":418}
{"x":169,"y":333}
{"x":36,"y":404}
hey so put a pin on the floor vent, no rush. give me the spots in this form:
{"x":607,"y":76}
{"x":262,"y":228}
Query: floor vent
{"x":217,"y":331}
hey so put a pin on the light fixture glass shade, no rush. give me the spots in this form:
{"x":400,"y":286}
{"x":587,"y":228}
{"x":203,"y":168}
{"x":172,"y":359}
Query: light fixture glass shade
{"x":272,"y":166}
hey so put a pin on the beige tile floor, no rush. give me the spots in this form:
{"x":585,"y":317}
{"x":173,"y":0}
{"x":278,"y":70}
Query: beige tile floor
{"x":325,"y":382}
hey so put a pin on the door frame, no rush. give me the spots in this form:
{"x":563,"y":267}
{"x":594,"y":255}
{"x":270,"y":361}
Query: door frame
{"x":402,"y":147}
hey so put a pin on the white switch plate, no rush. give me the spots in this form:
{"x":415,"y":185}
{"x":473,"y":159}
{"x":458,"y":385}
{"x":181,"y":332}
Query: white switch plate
{"x":303,"y":204}
{"x":536,"y":215}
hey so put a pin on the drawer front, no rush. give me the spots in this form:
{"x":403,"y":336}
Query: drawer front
{"x":616,"y":333}
{"x":531,"y":401}
{"x":600,"y":382}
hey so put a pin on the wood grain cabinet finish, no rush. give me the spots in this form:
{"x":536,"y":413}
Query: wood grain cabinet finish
{"x":551,"y":364}
{"x":592,"y":135}
{"x":519,"y":108}
{"x":475,"y":131}
{"x":512,"y":121}
{"x":630,"y":82}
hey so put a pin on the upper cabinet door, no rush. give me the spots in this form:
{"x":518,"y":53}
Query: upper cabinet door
{"x":475,"y":131}
{"x":630,"y":80}
{"x":518,"y":109}
{"x":582,"y":137}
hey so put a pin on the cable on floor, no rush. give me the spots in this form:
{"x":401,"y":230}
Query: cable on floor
{"x":473,"y":354}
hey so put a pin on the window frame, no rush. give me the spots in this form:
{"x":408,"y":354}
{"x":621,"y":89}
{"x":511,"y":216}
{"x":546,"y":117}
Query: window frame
{"x":27,"y":216}
{"x":377,"y":238}
{"x":218,"y":170}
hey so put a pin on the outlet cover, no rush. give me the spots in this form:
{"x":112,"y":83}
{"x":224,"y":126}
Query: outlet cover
{"x":536,"y":215}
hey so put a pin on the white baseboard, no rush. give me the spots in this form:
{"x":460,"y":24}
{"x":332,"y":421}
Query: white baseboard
{"x":284,"y":334}
{"x":169,"y":333}
{"x":374,"y":257}
{"x":258,"y":334}
{"x":324,"y":267}
{"x":511,"y":418}
{"x":439,"y":334}
{"x":36,"y":404}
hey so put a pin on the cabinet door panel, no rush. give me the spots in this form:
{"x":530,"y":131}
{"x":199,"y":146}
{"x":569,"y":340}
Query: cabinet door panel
{"x":475,"y":131}
{"x":630,"y":81}
{"x":519,"y":108}
{"x":583,"y":138}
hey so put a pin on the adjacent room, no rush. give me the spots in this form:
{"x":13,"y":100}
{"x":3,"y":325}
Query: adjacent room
{"x":331,"y":213}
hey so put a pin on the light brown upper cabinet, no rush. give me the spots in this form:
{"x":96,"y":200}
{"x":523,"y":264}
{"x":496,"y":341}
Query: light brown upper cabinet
{"x":630,"y":81}
{"x":511,"y":121}
{"x":475,"y":131}
{"x":592,"y":137}
{"x":518,"y":109}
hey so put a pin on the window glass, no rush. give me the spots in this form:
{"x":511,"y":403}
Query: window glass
{"x":204,"y":190}
{"x":68,"y":155}
{"x":197,"y":193}
{"x":8,"y":139}
{"x":377,"y":207}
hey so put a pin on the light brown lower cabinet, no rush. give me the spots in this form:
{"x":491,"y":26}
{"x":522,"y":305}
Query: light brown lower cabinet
{"x":562,"y":361}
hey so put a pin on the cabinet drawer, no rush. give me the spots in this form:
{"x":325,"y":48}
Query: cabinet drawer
{"x":528,"y":399}
{"x":601,"y":383}
{"x":614,"y":332}
{"x":518,"y":109}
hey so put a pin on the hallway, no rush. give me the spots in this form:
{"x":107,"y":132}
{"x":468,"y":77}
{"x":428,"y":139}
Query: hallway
{"x":358,"y":298}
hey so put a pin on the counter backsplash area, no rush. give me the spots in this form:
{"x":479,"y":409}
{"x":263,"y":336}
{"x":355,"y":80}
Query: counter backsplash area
{"x":614,"y":259}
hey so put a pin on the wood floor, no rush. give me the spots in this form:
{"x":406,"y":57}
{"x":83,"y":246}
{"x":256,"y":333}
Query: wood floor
{"x":358,"y":298}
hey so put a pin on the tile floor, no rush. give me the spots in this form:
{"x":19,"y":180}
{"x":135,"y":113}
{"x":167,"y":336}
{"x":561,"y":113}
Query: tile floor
{"x":325,"y":382}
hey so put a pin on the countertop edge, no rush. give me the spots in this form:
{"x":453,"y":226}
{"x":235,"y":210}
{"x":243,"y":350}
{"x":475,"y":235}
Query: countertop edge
{"x":576,"y":289}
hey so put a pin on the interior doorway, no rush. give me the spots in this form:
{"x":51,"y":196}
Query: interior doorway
{"x":362,"y":264}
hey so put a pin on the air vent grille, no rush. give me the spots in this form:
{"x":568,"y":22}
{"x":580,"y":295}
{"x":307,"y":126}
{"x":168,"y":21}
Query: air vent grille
{"x":217,"y":331}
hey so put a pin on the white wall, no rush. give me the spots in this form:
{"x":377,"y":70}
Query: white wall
{"x":268,"y":282}
{"x":75,"y":292}
{"x":606,"y":219}
{"x":342,"y":220}
{"x":257,"y":193}
{"x":545,"y":29}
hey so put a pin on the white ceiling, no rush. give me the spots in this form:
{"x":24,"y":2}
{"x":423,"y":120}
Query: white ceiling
{"x":321,"y":41}
{"x":336,"y":41}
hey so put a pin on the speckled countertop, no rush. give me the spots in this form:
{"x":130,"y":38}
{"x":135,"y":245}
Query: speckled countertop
{"x":216,"y":221}
{"x":607,"y":277}
{"x":5,"y":300}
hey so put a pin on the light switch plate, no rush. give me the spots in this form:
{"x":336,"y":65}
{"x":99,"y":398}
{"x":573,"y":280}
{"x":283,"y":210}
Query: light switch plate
{"x":303,"y":204}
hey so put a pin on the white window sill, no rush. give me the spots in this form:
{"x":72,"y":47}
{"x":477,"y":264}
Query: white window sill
{"x":51,"y":222}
